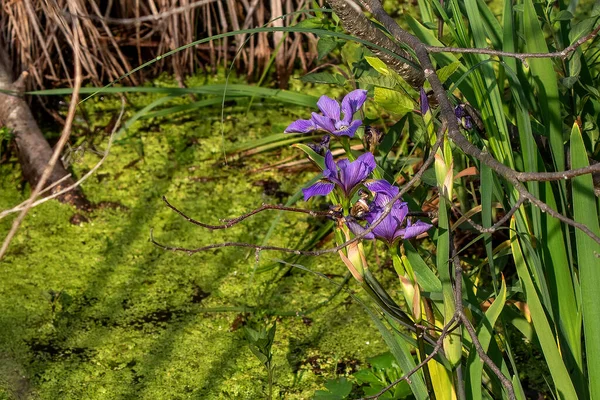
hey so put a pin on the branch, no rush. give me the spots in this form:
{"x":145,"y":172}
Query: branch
{"x":557,"y":176}
{"x":229,"y":223}
{"x":498,"y":224}
{"x":355,"y":22}
{"x":521,"y":56}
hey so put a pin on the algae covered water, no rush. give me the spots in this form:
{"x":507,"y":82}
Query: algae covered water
{"x":92,"y":309}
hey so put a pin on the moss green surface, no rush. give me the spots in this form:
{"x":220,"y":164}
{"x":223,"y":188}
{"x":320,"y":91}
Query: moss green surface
{"x":95,"y":311}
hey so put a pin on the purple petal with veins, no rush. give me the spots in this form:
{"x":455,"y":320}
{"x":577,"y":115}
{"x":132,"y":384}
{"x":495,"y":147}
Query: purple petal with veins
{"x":323,"y":122}
{"x":352,"y":173}
{"x":301,"y":126}
{"x":318,"y":189}
{"x":386,"y":229}
{"x":329,"y":107}
{"x":414,"y":230}
{"x":352,"y":102}
{"x":379,"y":185}
{"x":358,"y":229}
{"x":329,"y":163}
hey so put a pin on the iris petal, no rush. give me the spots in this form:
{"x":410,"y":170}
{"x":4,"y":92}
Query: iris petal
{"x":377,"y":186}
{"x":323,"y":122}
{"x":349,"y":130}
{"x":329,"y":163}
{"x":352,"y":102}
{"x":386,"y":228}
{"x":352,"y":173}
{"x":318,"y":189}
{"x":301,"y":126}
{"x":357,"y":229}
{"x":329,"y":107}
{"x":424,"y":102}
{"x":416,"y":229}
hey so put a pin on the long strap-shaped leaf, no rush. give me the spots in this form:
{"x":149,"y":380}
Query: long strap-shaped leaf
{"x":484,"y":333}
{"x":585,"y":211}
{"x":545,"y":334}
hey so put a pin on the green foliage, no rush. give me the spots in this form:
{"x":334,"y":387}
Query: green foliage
{"x":536,"y":282}
{"x":260,"y":343}
{"x":383,"y":370}
{"x":337,"y":389}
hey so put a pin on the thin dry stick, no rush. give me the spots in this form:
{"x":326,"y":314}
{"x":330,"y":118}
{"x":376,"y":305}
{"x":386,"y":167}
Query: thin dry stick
{"x":22,"y":206}
{"x":229,"y":223}
{"x":64,"y":137}
{"x":499,"y":223}
{"x":34,"y":22}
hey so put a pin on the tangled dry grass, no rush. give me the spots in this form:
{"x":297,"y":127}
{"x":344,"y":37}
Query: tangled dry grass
{"x":117,"y":36}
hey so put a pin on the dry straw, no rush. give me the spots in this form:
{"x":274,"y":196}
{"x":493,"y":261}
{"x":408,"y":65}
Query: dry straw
{"x":119,"y":35}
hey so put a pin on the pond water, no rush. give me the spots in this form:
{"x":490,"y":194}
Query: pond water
{"x":96,"y":311}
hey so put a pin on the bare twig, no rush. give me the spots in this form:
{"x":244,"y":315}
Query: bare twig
{"x":498,"y":224}
{"x":230,"y":222}
{"x":521,"y":56}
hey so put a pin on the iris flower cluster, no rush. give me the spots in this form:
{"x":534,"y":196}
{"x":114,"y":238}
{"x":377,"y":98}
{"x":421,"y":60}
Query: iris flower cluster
{"x":348,"y":177}
{"x":331,"y":120}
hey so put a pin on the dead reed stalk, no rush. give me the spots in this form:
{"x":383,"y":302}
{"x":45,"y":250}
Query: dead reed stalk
{"x":117,"y":36}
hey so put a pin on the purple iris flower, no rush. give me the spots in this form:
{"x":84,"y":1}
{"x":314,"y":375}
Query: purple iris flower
{"x":395,"y":225}
{"x":345,"y":174}
{"x":331,"y":120}
{"x":463,"y":117}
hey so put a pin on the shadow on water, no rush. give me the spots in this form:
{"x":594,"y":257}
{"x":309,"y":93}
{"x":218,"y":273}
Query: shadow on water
{"x":102,"y":306}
